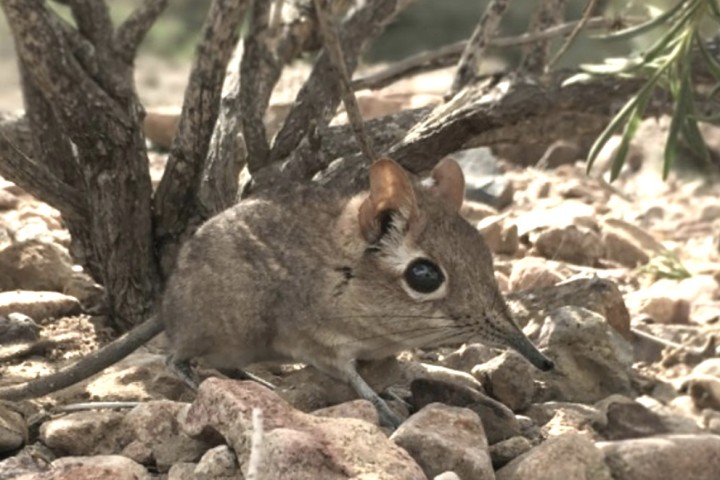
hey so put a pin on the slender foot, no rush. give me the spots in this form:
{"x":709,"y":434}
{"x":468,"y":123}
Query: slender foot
{"x":387,"y":416}
{"x":184,"y":372}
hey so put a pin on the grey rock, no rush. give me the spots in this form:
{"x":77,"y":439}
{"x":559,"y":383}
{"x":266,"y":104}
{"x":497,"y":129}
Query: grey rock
{"x":85,"y":433}
{"x":156,"y":436}
{"x":503,"y":452}
{"x":592,"y":360}
{"x":360,"y":409}
{"x":38,"y":305}
{"x":572,"y":244}
{"x":295,"y":444}
{"x":219,"y":463}
{"x":182,"y":471}
{"x":498,"y":420}
{"x":442,"y":438}
{"x":571,"y":456}
{"x":35,"y":265}
{"x":624,"y":418}
{"x":13,"y":429}
{"x":664,"y":457}
{"x":18,"y":327}
{"x":115,"y":467}
{"x":469,"y":355}
{"x":508,"y":378}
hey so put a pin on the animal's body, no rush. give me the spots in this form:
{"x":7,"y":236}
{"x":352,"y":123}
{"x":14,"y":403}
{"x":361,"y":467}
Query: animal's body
{"x":313,"y":277}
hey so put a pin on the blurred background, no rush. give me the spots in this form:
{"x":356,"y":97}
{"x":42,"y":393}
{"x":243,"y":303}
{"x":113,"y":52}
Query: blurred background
{"x":425,"y":25}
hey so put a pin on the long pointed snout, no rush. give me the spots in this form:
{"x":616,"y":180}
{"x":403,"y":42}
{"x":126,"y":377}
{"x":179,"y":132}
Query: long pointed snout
{"x":525,"y":347}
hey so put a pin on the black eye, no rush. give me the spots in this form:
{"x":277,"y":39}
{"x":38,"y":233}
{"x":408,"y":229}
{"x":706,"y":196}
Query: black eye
{"x":424,"y":276}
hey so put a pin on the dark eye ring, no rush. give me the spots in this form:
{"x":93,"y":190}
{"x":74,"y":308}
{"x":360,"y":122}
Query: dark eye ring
{"x":424,"y":276}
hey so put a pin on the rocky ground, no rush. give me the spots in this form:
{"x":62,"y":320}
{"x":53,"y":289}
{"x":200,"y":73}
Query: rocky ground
{"x":618,"y":283}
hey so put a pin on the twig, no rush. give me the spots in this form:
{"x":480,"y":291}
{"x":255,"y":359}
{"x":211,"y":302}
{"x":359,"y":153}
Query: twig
{"x":449,"y":54}
{"x":276,"y":14}
{"x":256,"y":445}
{"x":332,"y":47}
{"x":133,"y":30}
{"x":319,"y":97}
{"x":176,"y":194}
{"x":478,"y":44}
{"x":546,"y":14}
{"x":589,"y":8}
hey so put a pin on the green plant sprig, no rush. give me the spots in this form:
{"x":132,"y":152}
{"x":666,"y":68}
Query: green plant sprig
{"x":666,"y":64}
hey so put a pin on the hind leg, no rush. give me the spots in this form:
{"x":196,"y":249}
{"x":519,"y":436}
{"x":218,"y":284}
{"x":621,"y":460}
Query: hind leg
{"x":184,"y":371}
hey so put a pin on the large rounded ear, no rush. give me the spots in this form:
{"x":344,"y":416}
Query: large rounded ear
{"x":449,"y":183}
{"x":391,"y":193}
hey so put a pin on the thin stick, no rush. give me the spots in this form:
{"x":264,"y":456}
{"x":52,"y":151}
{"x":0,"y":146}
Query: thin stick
{"x":589,"y":7}
{"x":450,"y":54}
{"x":478,"y":44}
{"x":332,"y":46}
{"x":256,"y":444}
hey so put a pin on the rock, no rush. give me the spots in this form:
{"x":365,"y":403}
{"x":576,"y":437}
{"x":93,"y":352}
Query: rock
{"x":533,"y":272}
{"x":664,"y":457}
{"x":442,"y":438}
{"x":569,"y":212}
{"x":710,"y":213}
{"x":628,"y":244}
{"x":503,"y":452}
{"x":560,"y":152}
{"x":557,"y":418}
{"x":499,"y":239}
{"x":571,"y":456}
{"x":35,"y":265}
{"x":483,"y":179}
{"x":182,"y":471}
{"x":710,"y":366}
{"x":140,"y":375}
{"x":113,"y":467}
{"x":498,"y":420}
{"x":25,"y":464}
{"x":469,"y":355}
{"x":508,"y":378}
{"x":295,"y":445}
{"x":625,"y":418}
{"x":360,"y":409}
{"x":13,"y":430}
{"x":425,"y":371}
{"x":473,"y":212}
{"x":156,"y":437}
{"x":704,"y":390}
{"x":661,"y":302}
{"x":571,"y":244}
{"x":8,"y":201}
{"x":38,"y":305}
{"x":84,"y":433}
{"x":18,"y":327}
{"x":447,"y":476}
{"x":218,"y":463}
{"x":592,"y":360}
{"x":596,"y":294}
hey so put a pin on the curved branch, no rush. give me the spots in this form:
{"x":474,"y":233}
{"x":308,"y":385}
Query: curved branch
{"x":133,"y":30}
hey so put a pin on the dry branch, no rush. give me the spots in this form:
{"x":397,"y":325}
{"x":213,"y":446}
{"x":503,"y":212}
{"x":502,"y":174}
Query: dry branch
{"x":477,"y":45}
{"x":176,"y":196}
{"x":547,"y":13}
{"x":335,"y":54}
{"x":318,"y":99}
{"x":93,"y":21}
{"x":450,"y":54}
{"x":132,"y":31}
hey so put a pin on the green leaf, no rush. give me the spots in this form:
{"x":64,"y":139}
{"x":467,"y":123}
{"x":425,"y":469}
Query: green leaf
{"x":673,"y":36}
{"x":641,"y":28}
{"x":628,"y":134}
{"x":712,"y":64}
{"x":577,"y":78}
{"x":676,"y":123}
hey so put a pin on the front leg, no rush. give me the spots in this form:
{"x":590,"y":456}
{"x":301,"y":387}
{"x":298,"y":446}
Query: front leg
{"x":387,"y":416}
